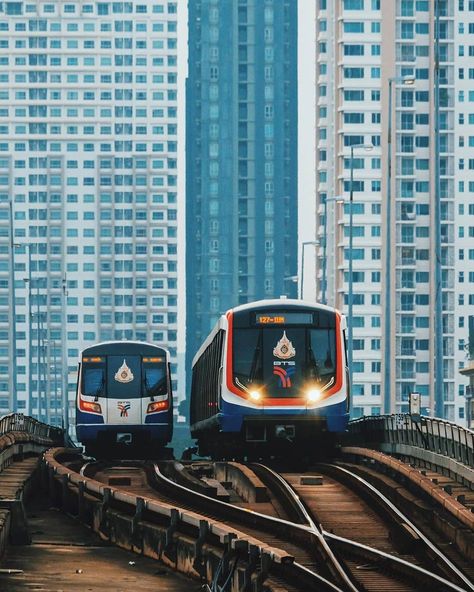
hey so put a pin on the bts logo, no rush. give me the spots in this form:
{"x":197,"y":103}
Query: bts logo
{"x":123,"y":407}
{"x":284,"y":375}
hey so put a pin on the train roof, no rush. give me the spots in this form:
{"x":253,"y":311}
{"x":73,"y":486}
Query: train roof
{"x":257,"y":305}
{"x":282,"y":303}
{"x":118,"y":346}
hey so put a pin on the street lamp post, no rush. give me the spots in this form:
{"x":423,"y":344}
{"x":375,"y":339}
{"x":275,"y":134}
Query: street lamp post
{"x":52,"y":345}
{"x":350,"y":302}
{"x":30,"y":331}
{"x":407,"y":80}
{"x":438,"y":329}
{"x":337,"y":199}
{"x":38,"y":345}
{"x":55,"y":383}
{"x":13,"y":379}
{"x":303,"y":245}
{"x":64,"y":364}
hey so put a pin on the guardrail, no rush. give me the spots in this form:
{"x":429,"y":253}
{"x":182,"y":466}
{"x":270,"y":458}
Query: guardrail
{"x":399,"y":431}
{"x":20,"y":436}
{"x":17,"y":422}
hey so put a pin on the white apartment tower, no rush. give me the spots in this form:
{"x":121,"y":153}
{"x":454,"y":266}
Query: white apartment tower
{"x":88,"y":165}
{"x":365,"y":51}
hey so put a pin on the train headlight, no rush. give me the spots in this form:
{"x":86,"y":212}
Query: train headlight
{"x":255,"y":395}
{"x":313,"y":395}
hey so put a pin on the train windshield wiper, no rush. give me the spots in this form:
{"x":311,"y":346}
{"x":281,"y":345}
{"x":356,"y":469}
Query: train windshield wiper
{"x":256,"y":359}
{"x":313,"y":365}
{"x":99,"y":390}
{"x":150,"y":390}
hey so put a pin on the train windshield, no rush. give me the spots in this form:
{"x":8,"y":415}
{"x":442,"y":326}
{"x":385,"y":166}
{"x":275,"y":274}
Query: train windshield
{"x":284,"y":360}
{"x":155,"y":380}
{"x":93,"y":381}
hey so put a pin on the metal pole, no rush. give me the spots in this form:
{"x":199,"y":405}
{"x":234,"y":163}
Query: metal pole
{"x":43,"y":372}
{"x":350,"y":302}
{"x":38,"y":353}
{"x":14,"y":393}
{"x":47,"y":376}
{"x":302,"y":270}
{"x":64,"y":364}
{"x":388,"y":270}
{"x":323,"y":295}
{"x":30,"y":334}
{"x":439,"y":404}
{"x":55,"y":375}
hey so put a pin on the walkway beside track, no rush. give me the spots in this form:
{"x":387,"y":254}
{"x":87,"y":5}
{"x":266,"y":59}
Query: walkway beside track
{"x":67,"y":557}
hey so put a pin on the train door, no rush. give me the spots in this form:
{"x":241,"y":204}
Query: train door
{"x":124,"y":388}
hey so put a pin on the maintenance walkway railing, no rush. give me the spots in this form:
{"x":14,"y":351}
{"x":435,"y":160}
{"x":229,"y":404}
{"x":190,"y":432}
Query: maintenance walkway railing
{"x":437,"y":441}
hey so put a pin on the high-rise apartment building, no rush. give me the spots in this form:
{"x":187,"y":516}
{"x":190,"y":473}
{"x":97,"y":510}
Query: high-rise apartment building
{"x":88,"y":163}
{"x":422,"y":225}
{"x":241,"y":157}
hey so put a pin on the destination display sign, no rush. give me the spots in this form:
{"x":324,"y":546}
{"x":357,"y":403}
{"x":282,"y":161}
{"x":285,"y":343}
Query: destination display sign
{"x":287,"y":318}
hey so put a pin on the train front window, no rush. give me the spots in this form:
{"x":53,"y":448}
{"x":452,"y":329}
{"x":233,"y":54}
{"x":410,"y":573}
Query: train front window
{"x":247,"y":357}
{"x":124,"y":377}
{"x":93,"y":383}
{"x":284,"y":360}
{"x":155,"y":380}
{"x":322,"y":356}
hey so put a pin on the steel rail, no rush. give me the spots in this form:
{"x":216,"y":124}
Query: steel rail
{"x":447,"y":563}
{"x":355,"y":547}
{"x":315,"y":528}
{"x":381,"y":556}
{"x":264,"y":519}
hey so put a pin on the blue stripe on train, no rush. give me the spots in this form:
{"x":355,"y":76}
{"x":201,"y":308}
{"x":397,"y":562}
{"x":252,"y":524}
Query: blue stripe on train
{"x":232,"y":416}
{"x":86,"y":433}
{"x":88,"y":418}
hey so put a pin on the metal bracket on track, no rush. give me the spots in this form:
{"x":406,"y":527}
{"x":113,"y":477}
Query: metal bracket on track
{"x":170,"y":545}
{"x":104,"y":527}
{"x":222,"y":579}
{"x":137,"y":530}
{"x":199,"y":564}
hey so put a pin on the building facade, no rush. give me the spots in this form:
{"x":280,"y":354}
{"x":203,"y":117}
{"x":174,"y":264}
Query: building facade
{"x":241,"y":148}
{"x":412,"y":211}
{"x":88,"y":165}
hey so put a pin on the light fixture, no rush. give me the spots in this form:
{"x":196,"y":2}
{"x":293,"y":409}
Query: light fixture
{"x":313,"y":395}
{"x":255,"y":395}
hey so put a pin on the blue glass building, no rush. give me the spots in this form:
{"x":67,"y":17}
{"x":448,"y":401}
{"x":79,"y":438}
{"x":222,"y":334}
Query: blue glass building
{"x":241,"y":144}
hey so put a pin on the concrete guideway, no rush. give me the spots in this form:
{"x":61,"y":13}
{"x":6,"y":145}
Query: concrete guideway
{"x":65,"y":556}
{"x":45,"y":550}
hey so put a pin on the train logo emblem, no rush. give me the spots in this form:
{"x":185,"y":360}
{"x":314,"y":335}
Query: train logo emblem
{"x":284,"y":374}
{"x":284,"y":348}
{"x":123,"y":407}
{"x":124,"y":374}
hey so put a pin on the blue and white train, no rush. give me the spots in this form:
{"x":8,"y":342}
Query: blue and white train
{"x":124,"y":400}
{"x":270,"y":372}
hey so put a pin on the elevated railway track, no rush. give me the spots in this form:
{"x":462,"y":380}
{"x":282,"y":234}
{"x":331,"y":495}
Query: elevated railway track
{"x":341,"y":526}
